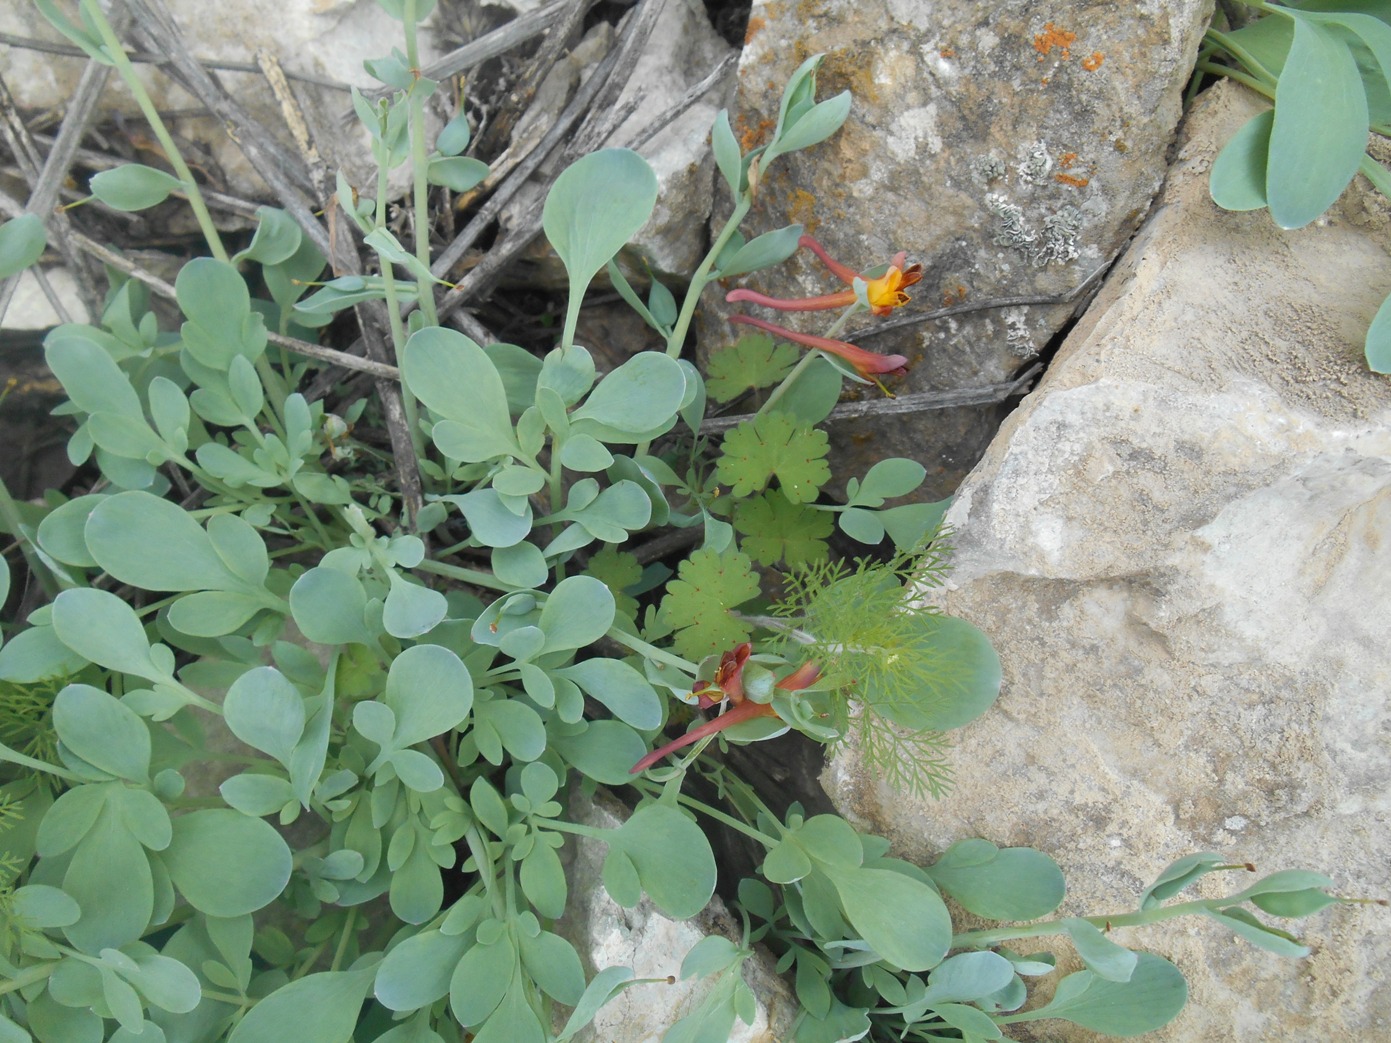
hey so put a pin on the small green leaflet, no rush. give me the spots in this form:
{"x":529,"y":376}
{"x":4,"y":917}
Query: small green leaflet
{"x":775,"y":445}
{"x":755,"y":361}
{"x":773,"y":530}
{"x":698,"y":602}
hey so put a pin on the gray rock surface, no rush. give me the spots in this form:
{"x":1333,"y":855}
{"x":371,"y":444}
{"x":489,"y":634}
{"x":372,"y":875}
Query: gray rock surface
{"x":1010,"y":154}
{"x":654,"y":945}
{"x":1178,"y":545}
{"x":327,"y":39}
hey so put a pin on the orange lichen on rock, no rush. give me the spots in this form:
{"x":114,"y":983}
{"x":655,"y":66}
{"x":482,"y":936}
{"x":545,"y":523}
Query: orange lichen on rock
{"x":1067,"y":159}
{"x":1075,"y":182}
{"x":1052,"y":37}
{"x":954,"y":295}
{"x":1093,"y":62}
{"x":755,"y":24}
{"x":947,"y":52}
{"x":750,"y":137}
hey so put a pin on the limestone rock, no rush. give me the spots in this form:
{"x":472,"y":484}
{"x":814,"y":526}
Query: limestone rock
{"x":325,"y":39}
{"x":1178,"y":545}
{"x":608,"y":935}
{"x":681,"y":51}
{"x":1010,"y":154}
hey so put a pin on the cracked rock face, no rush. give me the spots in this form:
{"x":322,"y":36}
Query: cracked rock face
{"x":1010,"y":154}
{"x":1178,"y":546}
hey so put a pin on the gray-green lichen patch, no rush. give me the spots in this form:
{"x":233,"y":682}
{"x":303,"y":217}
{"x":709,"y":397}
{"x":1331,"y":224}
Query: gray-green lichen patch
{"x":1055,"y":243}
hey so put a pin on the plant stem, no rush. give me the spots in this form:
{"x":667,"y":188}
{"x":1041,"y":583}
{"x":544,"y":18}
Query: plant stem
{"x":729,"y":820}
{"x":28,"y":977}
{"x":476,"y":577}
{"x":15,"y":757}
{"x":348,"y":924}
{"x":419,"y":164}
{"x":701,"y":278}
{"x":988,"y":939}
{"x":117,"y":53}
{"x":640,"y":646}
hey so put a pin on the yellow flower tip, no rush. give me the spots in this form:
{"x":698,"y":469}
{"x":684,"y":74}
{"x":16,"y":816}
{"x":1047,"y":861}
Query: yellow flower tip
{"x":886,"y":292}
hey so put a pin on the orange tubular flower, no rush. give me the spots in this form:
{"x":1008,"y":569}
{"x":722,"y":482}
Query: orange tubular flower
{"x":730,"y":681}
{"x":884,"y":293}
{"x":868,"y":364}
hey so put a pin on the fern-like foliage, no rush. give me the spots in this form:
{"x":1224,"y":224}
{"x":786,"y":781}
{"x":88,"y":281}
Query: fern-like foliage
{"x":862,"y":624}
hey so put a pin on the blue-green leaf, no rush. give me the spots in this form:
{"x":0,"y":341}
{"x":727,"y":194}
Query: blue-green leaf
{"x":134,"y":187}
{"x":1320,"y":126}
{"x":22,"y":242}
{"x":595,"y":206}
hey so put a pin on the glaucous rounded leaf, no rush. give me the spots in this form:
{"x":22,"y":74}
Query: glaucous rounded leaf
{"x":318,"y":1008}
{"x":153,"y":543}
{"x":672,"y":858}
{"x":595,"y":206}
{"x":225,"y":863}
{"x":103,"y":731}
{"x":133,"y":186}
{"x":1237,"y":178}
{"x":22,"y":242}
{"x":1320,"y":126}
{"x":1153,"y":997}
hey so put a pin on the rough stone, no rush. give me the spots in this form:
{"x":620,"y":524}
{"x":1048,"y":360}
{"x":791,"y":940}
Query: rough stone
{"x":1178,"y":546}
{"x":682,"y":50}
{"x":328,"y":39}
{"x":653,"y":945}
{"x":1009,"y":154}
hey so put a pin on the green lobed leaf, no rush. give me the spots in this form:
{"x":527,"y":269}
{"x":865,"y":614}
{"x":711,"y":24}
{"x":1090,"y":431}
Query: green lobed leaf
{"x":775,"y":445}
{"x":753,"y":361}
{"x":775,"y":529}
{"x":698,"y":603}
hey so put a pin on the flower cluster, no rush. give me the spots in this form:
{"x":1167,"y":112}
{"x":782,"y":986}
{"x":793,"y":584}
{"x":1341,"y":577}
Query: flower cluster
{"x":883,"y":293}
{"x":728,"y":685}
